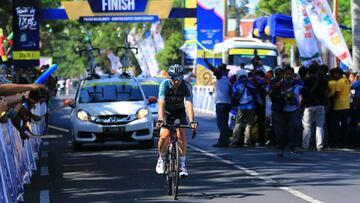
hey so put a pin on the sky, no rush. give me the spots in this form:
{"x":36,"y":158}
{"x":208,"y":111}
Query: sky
{"x":255,"y":2}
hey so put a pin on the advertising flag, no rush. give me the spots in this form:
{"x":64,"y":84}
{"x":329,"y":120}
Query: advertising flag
{"x":327,"y":30}
{"x":304,"y":34}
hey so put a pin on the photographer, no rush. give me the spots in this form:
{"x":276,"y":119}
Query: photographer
{"x":285,"y":97}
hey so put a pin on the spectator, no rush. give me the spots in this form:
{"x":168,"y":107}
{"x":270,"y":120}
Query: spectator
{"x":255,"y":65}
{"x":355,"y":114}
{"x":222,"y":101}
{"x":285,"y":97}
{"x":313,"y":99}
{"x":278,"y":75}
{"x":302,"y":72}
{"x":3,"y":109}
{"x":244,"y":102}
{"x":341,"y":107}
{"x":61,"y":86}
{"x":258,"y":85}
{"x":68,"y":86}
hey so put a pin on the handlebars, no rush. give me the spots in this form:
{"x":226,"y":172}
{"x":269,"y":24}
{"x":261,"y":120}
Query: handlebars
{"x":176,"y":126}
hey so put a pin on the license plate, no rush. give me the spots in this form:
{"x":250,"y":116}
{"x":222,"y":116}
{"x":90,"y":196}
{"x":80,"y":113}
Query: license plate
{"x":113,"y":129}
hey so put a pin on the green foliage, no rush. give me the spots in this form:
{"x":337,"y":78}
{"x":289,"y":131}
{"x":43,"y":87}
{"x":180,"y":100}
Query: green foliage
{"x":171,"y":54}
{"x":345,"y":19}
{"x":275,"y":6}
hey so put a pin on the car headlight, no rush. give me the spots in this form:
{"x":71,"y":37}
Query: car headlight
{"x":142,"y":113}
{"x":83,"y":115}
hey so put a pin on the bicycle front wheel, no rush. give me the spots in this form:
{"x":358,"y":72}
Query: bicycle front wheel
{"x":168,"y":173}
{"x":176,"y":170}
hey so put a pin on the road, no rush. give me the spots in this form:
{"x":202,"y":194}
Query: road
{"x":125,"y":173}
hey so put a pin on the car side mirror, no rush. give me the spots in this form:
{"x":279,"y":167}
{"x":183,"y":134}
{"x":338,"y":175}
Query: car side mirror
{"x":152,"y":100}
{"x":69,"y":102}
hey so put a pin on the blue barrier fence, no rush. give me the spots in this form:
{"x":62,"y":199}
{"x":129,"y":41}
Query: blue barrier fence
{"x":17,"y":157}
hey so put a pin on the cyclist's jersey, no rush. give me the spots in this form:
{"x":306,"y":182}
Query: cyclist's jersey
{"x":174,"y":101}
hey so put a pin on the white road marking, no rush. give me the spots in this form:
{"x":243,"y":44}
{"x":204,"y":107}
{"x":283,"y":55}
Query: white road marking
{"x":44,"y":154}
{"x":44,"y":196}
{"x":259,"y":176}
{"x":60,"y":129}
{"x":44,"y":171}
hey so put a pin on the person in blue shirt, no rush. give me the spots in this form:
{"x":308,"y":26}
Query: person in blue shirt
{"x":245,"y":104}
{"x":175,"y":101}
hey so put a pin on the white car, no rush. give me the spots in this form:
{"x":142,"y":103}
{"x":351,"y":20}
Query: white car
{"x":111,"y":108}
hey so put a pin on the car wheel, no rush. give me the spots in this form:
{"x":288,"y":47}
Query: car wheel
{"x":148,"y":144}
{"x":77,"y":146}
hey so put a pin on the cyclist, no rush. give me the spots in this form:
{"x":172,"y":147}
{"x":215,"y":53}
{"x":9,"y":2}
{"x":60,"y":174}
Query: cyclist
{"x":175,"y":100}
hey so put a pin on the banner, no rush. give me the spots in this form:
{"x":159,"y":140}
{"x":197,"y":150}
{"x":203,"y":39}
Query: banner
{"x":304,"y":34}
{"x":327,"y":30}
{"x":26,"y":33}
{"x":210,"y":30}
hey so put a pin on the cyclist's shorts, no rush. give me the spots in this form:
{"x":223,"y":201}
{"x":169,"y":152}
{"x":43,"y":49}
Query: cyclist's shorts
{"x":180,"y":114}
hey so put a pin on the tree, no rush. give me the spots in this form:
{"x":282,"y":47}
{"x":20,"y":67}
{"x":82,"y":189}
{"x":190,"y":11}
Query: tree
{"x":275,"y":6}
{"x":171,"y":53}
{"x":355,"y":10}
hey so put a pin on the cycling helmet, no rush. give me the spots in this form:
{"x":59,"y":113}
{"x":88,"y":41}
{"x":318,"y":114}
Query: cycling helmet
{"x":175,"y":70}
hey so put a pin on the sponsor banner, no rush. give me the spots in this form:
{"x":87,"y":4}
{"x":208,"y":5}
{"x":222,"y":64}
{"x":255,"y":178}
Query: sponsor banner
{"x":130,"y":19}
{"x":113,"y":6}
{"x":304,"y":34}
{"x":76,"y":9}
{"x":190,"y":34}
{"x":327,"y":30}
{"x":26,"y":55}
{"x":203,"y":76}
{"x":26,"y":33}
{"x":208,"y":34}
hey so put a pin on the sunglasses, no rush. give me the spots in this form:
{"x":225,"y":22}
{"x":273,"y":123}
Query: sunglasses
{"x":178,"y":77}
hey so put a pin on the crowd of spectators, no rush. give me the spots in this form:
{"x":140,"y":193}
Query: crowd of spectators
{"x":312,"y":103}
{"x":19,"y":94}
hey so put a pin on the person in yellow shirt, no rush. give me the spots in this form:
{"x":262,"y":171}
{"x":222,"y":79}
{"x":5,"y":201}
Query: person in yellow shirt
{"x":341,"y":106}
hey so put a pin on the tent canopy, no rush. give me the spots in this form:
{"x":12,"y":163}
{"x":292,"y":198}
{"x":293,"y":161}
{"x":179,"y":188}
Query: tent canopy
{"x":276,"y":27}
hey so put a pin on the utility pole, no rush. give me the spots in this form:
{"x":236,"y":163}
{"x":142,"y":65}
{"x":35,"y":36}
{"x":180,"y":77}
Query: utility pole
{"x":237,"y":7}
{"x":355,"y":12}
{"x":327,"y":55}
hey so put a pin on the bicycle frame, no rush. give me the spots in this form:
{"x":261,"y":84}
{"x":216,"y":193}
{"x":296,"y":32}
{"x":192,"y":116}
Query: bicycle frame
{"x":172,"y":164}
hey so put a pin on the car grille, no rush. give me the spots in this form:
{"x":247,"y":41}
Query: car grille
{"x":112,"y":119}
{"x":121,"y":136}
{"x":124,"y":136}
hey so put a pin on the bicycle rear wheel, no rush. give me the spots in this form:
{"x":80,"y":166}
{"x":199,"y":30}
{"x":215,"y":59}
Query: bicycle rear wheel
{"x":176,"y":170}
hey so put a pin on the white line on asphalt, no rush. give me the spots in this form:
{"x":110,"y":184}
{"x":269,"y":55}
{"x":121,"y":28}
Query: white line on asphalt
{"x":44,"y":196}
{"x":60,"y":129}
{"x":44,"y":154}
{"x":259,"y":176}
{"x":44,"y":171}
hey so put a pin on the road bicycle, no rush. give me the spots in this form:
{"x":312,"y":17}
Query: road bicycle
{"x":172,"y":162}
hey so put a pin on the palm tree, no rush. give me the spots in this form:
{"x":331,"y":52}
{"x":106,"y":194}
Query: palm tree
{"x":355,"y":12}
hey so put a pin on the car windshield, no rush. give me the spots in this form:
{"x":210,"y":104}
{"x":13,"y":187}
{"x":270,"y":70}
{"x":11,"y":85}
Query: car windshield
{"x":246,"y":59}
{"x":267,"y":57}
{"x":109,"y":93}
{"x":151,"y":90}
